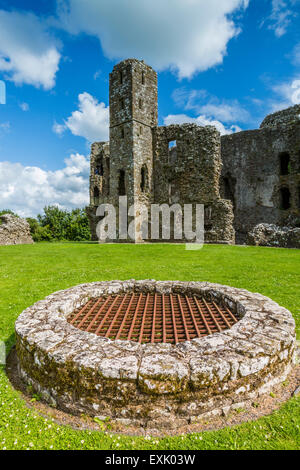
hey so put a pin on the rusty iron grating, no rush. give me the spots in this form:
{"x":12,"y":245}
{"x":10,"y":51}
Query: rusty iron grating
{"x":152,"y":318}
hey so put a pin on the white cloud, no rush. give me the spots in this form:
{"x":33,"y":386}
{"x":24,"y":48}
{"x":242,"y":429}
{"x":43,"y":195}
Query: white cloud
{"x":187,"y":36}
{"x":24,"y":106}
{"x":201,"y":121}
{"x":209,"y":109}
{"x":28,"y":53}
{"x":27,"y":189}
{"x":200,"y":101}
{"x":281,"y":16}
{"x":91,"y":121}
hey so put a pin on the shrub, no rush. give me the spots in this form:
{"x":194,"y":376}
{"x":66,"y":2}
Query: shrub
{"x":60,"y":224}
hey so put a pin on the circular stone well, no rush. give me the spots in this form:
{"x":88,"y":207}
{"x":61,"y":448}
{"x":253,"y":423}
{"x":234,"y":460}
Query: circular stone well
{"x":154,"y":354}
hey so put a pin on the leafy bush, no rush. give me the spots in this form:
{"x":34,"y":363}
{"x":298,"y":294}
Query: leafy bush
{"x":38,"y":232}
{"x":60,"y":224}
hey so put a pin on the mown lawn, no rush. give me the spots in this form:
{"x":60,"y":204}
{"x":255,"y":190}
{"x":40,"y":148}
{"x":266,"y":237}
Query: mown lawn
{"x":29,"y":273}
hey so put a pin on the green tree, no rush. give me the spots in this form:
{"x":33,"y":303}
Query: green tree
{"x":38,"y":232}
{"x":60,"y":224}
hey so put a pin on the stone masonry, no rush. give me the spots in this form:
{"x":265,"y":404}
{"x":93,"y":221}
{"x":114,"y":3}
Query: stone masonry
{"x":261,"y":173}
{"x":243,"y":179}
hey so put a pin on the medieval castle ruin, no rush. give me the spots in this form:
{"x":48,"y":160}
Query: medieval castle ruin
{"x":243,"y":179}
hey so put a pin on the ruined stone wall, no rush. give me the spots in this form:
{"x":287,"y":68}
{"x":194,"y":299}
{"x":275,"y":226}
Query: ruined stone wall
{"x":99,"y":181}
{"x":252,"y":174}
{"x":155,"y":385}
{"x":133,"y":112}
{"x":190,"y":173}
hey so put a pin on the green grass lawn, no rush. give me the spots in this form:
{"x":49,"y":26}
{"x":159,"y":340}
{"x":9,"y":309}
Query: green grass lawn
{"x":29,"y":273}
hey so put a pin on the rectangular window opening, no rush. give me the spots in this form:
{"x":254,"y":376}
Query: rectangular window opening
{"x":171,"y":147}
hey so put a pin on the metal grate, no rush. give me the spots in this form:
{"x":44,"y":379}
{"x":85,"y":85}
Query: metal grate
{"x":152,"y":318}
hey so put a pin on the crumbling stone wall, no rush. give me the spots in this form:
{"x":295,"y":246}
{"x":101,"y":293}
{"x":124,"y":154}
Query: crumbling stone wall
{"x":261,"y":172}
{"x":14,"y":231}
{"x":155,"y":385}
{"x":100,"y":171}
{"x":259,"y":181}
{"x":190,"y":176}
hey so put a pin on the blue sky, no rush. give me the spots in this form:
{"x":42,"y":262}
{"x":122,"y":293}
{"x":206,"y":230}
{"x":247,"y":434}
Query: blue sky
{"x":222,"y":62}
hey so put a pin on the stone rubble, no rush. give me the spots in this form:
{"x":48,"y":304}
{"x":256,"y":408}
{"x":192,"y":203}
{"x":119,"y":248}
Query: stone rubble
{"x":272,"y":235}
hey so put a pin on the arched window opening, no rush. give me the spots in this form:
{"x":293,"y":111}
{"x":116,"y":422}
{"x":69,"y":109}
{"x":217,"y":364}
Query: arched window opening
{"x":284,"y":160}
{"x":285,"y":199}
{"x":144,"y":178}
{"x":96,"y":196}
{"x":99,"y":169}
{"x":122,"y":188}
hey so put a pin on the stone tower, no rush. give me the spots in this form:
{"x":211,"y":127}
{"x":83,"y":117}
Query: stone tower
{"x":133,"y":114}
